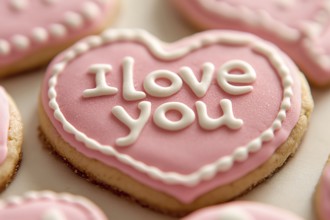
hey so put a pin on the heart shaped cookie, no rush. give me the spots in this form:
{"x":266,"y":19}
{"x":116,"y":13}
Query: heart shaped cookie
{"x":242,"y":211}
{"x":47,"y":205}
{"x":177,"y":126}
{"x":298,"y":27}
{"x":33,"y":31}
{"x":11,"y":137}
{"x":322,"y":194}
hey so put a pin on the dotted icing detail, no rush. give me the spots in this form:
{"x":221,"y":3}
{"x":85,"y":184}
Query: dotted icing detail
{"x":70,"y":20}
{"x":208,"y":171}
{"x":89,"y":208}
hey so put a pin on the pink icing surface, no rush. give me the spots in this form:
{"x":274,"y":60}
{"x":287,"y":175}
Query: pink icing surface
{"x":4,"y":124}
{"x":250,"y":211}
{"x":38,"y":14}
{"x":53,"y":206}
{"x":310,"y":18}
{"x":173,"y":151}
{"x":324,"y":196}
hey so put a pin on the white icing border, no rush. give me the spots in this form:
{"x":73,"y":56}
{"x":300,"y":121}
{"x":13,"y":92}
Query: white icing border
{"x":70,"y":21}
{"x":90,"y":208}
{"x":156,"y":48}
{"x":263,"y":19}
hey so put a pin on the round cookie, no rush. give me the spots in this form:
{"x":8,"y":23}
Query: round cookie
{"x":32,"y":32}
{"x":11,"y":137}
{"x":322,"y":194}
{"x":176,"y":126}
{"x":242,"y":211}
{"x":300,"y":28}
{"x":47,"y":205}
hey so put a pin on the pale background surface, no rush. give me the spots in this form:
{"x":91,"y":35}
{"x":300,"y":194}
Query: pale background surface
{"x":292,"y":188}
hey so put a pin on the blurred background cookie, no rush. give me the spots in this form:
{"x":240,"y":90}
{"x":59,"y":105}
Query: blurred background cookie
{"x":47,"y":205}
{"x":242,"y":211}
{"x":322,"y":194}
{"x":11,"y":137}
{"x":33,"y":31}
{"x":298,"y":27}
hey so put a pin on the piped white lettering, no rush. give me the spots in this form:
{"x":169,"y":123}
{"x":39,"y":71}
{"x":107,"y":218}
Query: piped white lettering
{"x":227,"y":119}
{"x":129,"y":92}
{"x":135,"y":125}
{"x":199,"y":88}
{"x":102,"y":88}
{"x":225,"y":77}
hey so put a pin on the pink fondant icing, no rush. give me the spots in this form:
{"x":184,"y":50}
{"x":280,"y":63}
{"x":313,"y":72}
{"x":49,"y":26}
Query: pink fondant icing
{"x":183,"y":151}
{"x":48,"y":205}
{"x":324,"y":195}
{"x":4,"y":124}
{"x":298,"y":27}
{"x":242,"y":211}
{"x":58,"y":22}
